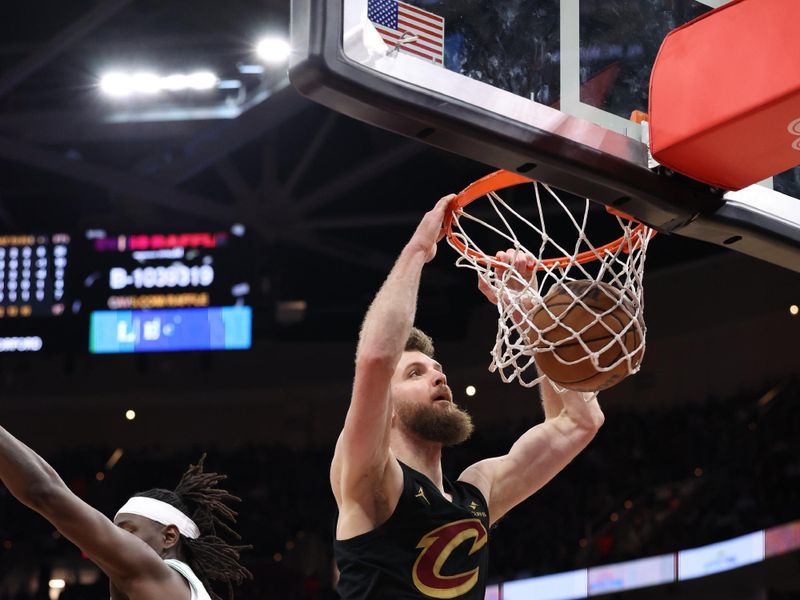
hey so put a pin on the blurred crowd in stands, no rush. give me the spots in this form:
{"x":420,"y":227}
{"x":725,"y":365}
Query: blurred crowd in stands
{"x":654,"y":480}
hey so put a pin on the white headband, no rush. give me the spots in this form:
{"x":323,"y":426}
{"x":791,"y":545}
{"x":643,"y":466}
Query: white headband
{"x":161,"y":512}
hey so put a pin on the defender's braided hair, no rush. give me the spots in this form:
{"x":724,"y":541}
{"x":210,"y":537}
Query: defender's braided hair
{"x":210,"y":556}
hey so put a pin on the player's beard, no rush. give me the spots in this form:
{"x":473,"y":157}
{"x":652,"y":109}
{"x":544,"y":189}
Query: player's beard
{"x":448,"y":424}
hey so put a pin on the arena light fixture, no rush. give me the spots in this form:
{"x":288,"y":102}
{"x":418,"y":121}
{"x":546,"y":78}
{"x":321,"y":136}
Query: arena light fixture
{"x":251,"y":69}
{"x":146,"y":83}
{"x":176,"y":82}
{"x":119,"y":84}
{"x":274,"y":50}
{"x":229,"y":84}
{"x":202,"y":81}
{"x":116,"y":85}
{"x":114,"y":458}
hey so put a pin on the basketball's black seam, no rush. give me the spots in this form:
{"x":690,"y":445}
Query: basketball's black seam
{"x":596,"y":373}
{"x":602,"y":316}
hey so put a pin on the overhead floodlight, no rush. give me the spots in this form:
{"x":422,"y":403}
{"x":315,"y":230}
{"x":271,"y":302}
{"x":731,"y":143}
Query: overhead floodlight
{"x":118,"y":85}
{"x":143,"y":83}
{"x":274,"y":50}
{"x":202,"y":80}
{"x":175,"y":83}
{"x":146,"y":83}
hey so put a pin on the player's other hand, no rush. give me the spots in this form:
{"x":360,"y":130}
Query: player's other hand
{"x":524,"y":274}
{"x":430,"y":229}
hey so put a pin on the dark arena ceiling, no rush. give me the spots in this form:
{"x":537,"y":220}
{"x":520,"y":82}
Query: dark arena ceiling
{"x":328,"y":202}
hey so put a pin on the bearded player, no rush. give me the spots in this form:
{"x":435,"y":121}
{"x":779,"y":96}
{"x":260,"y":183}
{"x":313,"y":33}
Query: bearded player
{"x":404,"y":531}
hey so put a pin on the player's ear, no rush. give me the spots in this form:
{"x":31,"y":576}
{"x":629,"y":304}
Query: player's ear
{"x":171,"y":537}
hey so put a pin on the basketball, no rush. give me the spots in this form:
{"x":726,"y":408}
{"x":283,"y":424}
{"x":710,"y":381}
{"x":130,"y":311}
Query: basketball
{"x":565,"y":361}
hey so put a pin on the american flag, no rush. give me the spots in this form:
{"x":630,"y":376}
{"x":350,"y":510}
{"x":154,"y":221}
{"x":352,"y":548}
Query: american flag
{"x":393,"y":18}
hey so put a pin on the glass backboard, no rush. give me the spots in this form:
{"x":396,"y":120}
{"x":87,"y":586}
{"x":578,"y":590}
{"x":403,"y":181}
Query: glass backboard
{"x":546,"y":88}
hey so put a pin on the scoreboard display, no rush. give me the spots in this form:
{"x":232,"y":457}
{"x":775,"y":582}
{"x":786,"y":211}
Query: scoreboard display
{"x":33,"y":275}
{"x":33,"y":288}
{"x":145,"y":271}
{"x":113,"y":292}
{"x":164,"y":292}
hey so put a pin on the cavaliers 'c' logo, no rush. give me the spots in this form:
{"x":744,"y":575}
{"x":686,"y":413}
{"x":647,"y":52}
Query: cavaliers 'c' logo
{"x":794,"y":129}
{"x":437,"y":546}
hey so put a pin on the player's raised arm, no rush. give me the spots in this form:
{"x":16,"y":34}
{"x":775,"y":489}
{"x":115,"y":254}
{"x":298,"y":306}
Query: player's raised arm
{"x":361,"y":465}
{"x":571,"y":421}
{"x":127,"y":560}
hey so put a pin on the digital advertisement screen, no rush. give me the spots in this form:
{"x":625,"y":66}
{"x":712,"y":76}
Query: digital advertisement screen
{"x":561,"y":586}
{"x":723,"y":556}
{"x":166,"y":270}
{"x":171,"y":330}
{"x":633,"y":574}
{"x":782,"y":539}
{"x":656,"y":570}
{"x":166,"y":292}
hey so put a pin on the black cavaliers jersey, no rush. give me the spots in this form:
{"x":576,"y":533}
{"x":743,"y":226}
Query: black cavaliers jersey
{"x":429,"y":548}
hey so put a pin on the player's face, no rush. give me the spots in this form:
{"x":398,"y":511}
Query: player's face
{"x":423,"y":402}
{"x":147,"y":530}
{"x":420,"y":379}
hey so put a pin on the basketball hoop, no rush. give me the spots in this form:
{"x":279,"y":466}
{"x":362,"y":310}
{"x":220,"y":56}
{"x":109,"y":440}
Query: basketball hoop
{"x":614,"y":269}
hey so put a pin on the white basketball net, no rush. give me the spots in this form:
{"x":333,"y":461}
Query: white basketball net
{"x":519,"y":339}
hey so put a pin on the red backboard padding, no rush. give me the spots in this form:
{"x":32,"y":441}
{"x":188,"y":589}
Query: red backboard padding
{"x":725,"y":94}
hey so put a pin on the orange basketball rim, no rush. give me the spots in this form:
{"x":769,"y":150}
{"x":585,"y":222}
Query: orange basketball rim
{"x":501,"y":179}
